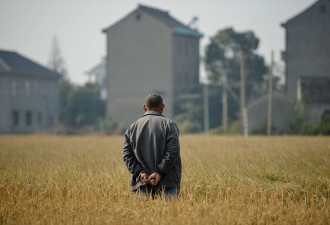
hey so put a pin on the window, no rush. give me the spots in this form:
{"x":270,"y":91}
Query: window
{"x":28,"y":118}
{"x":138,"y":17}
{"x":27,"y":88}
{"x":15,"y":118}
{"x":186,"y":48}
{"x":178,"y":47}
{"x":39,"y":118}
{"x":36,"y":88}
{"x":323,"y":9}
{"x":14,"y":88}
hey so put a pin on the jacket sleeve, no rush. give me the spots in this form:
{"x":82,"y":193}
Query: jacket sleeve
{"x":132,"y":164}
{"x":172,"y":150}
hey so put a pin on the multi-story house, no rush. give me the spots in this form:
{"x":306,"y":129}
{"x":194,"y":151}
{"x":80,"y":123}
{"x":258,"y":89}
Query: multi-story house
{"x":29,"y":96}
{"x":149,"y":51}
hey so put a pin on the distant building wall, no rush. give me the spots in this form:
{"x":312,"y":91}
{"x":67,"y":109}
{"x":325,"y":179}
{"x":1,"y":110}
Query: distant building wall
{"x":314,"y":113}
{"x":29,"y":103}
{"x":139,"y":63}
{"x":282,"y":112}
{"x":149,"y":51}
{"x":186,"y":66}
{"x":308,"y":45}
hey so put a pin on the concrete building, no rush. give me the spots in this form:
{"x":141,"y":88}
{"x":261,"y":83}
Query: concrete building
{"x":307,"y":41}
{"x":149,"y":51}
{"x":307,"y":62}
{"x":282,"y":111}
{"x":29,"y":98}
{"x":313,"y":96}
{"x":98,"y":75}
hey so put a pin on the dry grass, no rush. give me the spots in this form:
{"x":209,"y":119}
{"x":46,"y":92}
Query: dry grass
{"x":226,"y":180}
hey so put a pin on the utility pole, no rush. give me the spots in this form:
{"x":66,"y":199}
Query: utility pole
{"x":206,"y":109}
{"x":270,"y":96}
{"x":225,"y":103}
{"x":243,"y":104}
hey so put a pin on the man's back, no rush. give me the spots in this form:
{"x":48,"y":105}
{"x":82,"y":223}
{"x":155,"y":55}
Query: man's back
{"x":152,"y":145}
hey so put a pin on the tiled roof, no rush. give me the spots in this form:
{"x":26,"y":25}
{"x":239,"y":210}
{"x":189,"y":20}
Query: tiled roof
{"x":14,"y":62}
{"x":165,"y":17}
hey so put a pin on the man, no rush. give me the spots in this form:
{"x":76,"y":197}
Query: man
{"x":152,"y":152}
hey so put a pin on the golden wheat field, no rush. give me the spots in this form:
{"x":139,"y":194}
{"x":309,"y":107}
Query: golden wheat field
{"x":225,"y":180}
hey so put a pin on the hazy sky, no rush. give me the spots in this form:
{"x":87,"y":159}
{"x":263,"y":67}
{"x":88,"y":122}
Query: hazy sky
{"x":28,"y":26}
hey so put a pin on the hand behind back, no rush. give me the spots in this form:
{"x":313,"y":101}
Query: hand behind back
{"x":153,"y":179}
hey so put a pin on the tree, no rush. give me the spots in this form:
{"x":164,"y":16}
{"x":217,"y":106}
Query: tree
{"x":190,"y":118}
{"x":222,"y":56}
{"x":85,"y":105}
{"x":56,"y":61}
{"x":65,"y":89}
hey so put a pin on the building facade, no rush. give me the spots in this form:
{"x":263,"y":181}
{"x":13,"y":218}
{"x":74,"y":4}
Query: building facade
{"x":307,"y":63}
{"x":29,"y":97}
{"x":307,"y":41}
{"x":98,"y":75}
{"x":149,"y":51}
{"x":313,"y":97}
{"x":282,"y":112}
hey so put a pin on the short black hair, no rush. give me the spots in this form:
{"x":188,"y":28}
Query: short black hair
{"x":154,"y":100}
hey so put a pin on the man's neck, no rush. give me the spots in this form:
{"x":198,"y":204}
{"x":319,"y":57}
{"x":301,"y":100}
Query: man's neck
{"x":155,"y":110}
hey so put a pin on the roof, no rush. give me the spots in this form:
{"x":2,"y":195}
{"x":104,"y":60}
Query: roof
{"x":168,"y":20}
{"x":300,"y":14}
{"x":14,"y":62}
{"x":265,"y":95}
{"x":99,"y":68}
{"x":163,"y":16}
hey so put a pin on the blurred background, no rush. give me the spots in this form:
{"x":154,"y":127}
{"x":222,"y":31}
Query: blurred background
{"x":223,"y":67}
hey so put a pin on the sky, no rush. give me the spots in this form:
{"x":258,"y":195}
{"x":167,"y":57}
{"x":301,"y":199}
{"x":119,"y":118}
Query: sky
{"x":29,"y":26}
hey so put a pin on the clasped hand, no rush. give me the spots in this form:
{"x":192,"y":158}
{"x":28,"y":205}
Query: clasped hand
{"x":153,"y":179}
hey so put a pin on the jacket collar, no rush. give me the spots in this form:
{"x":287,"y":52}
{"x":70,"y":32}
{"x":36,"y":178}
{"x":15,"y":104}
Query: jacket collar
{"x":153,"y":113}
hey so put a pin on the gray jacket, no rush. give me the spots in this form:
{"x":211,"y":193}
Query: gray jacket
{"x":152,"y":145}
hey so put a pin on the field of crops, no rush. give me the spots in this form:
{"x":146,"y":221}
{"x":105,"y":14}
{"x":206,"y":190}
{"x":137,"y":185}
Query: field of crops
{"x":226,"y":180}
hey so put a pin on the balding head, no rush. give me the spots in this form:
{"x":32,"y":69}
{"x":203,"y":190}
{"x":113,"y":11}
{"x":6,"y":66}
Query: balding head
{"x":154,"y":102}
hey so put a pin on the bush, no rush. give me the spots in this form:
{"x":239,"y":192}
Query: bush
{"x":261,"y":129}
{"x":189,"y":127}
{"x":299,"y":126}
{"x":108,"y":126}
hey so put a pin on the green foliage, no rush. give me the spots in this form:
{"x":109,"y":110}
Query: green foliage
{"x":223,"y":55}
{"x":190,"y":119}
{"x":324,"y":127}
{"x":187,"y":127}
{"x":261,"y":129}
{"x":85,"y":105}
{"x":300,"y":127}
{"x":80,"y":105}
{"x":235,"y":128}
{"x":108,"y":126}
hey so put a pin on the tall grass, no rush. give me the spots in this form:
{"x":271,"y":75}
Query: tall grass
{"x":226,"y":180}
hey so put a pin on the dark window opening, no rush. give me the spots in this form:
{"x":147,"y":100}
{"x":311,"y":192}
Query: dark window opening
{"x":39,"y":118}
{"x":28,"y":118}
{"x":15,"y":118}
{"x":138,"y":17}
{"x":323,"y":9}
{"x":325,"y":117}
{"x":50,"y":120}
